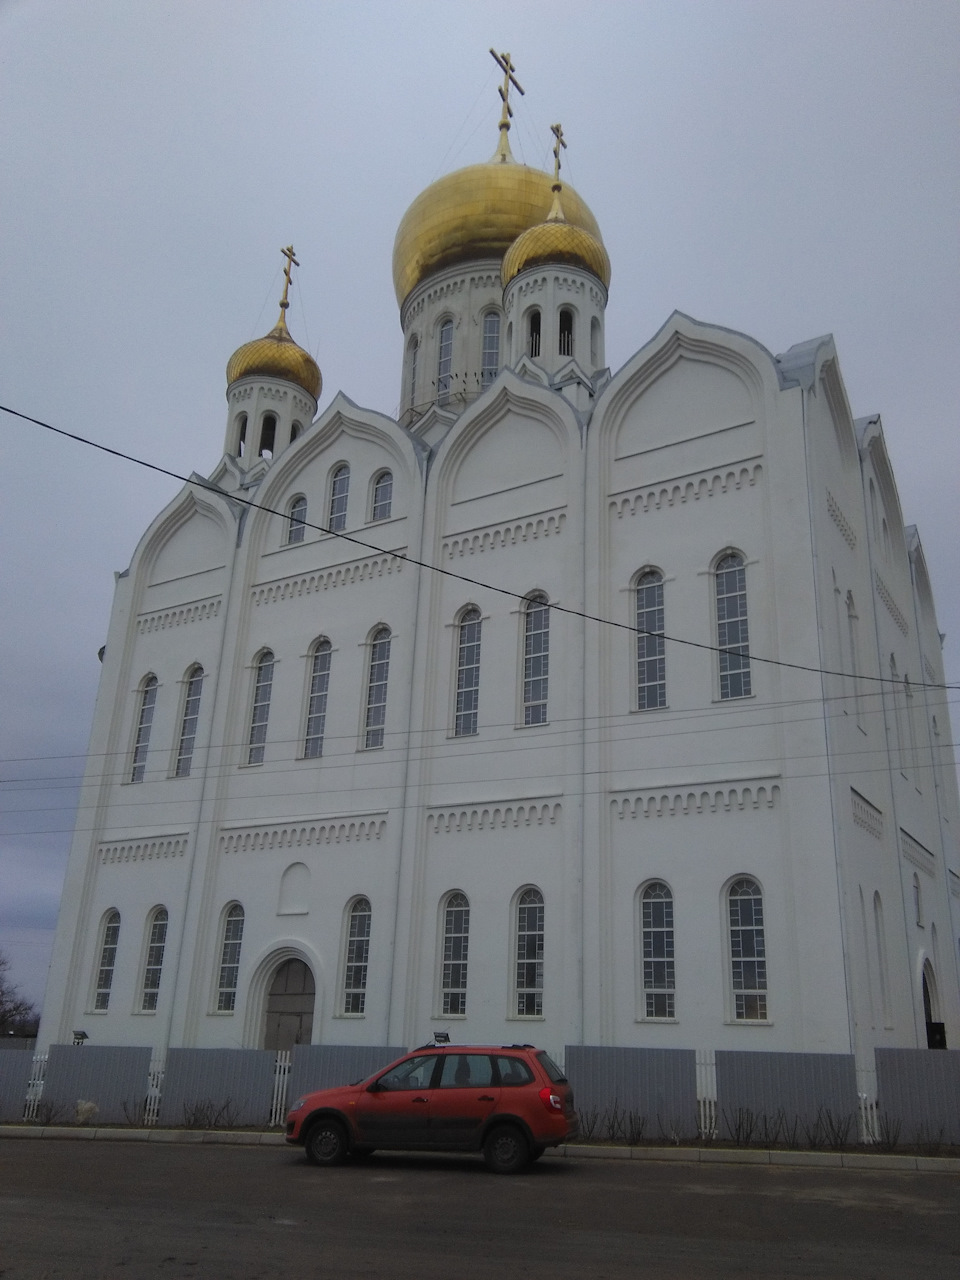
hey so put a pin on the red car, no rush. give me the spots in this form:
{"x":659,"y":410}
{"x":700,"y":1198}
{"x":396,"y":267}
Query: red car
{"x":511,"y":1102}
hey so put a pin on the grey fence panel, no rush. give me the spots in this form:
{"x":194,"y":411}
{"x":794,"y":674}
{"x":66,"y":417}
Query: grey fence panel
{"x":15,"y":1068}
{"x":659,"y":1085}
{"x":324,"y":1066}
{"x":114,"y":1078}
{"x":217,"y":1088}
{"x":768,"y":1093}
{"x":918,"y":1095}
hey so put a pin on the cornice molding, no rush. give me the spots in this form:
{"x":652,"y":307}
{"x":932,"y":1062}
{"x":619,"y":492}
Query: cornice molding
{"x":866,"y":815}
{"x":914,"y":852}
{"x":692,"y":488}
{"x":303,"y":834}
{"x":709,"y":798}
{"x":179,"y":615}
{"x":494,"y":815}
{"x":493,"y":537}
{"x":144,"y":850}
{"x":325,"y":579}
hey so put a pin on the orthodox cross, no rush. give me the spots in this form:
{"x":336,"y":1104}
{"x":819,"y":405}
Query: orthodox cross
{"x":557,"y":131}
{"x":506,"y":66}
{"x":287,"y":275}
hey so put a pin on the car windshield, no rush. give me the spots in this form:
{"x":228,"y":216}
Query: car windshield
{"x":551,"y":1068}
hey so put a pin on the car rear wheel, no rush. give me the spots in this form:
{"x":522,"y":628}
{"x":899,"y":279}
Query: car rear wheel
{"x":505,"y":1149}
{"x":326,"y":1143}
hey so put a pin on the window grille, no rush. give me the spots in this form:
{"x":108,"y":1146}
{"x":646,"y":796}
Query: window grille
{"x":651,"y":659}
{"x":148,"y":703}
{"x":530,"y":954}
{"x":748,"y":952}
{"x":317,"y":705}
{"x":445,"y":361}
{"x":536,"y":659}
{"x":108,"y":960}
{"x":659,"y":978}
{"x":456,"y":938}
{"x":339,"y":489}
{"x":263,"y":688}
{"x":155,"y":947}
{"x":490,"y":356}
{"x":565,"y":345}
{"x":377,"y":689}
{"x":230,"y":960}
{"x":358,"y":954}
{"x":188,"y":725}
{"x":297,"y":520}
{"x":732,"y":635}
{"x":468,"y":673}
{"x":382,"y":496}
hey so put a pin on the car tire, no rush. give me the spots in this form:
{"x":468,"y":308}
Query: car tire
{"x":326,"y":1143}
{"x":361,"y":1153}
{"x":536,"y":1153}
{"x":505,"y":1149}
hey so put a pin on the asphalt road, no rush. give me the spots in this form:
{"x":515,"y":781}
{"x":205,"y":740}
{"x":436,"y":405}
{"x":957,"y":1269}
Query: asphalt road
{"x":101,"y":1211}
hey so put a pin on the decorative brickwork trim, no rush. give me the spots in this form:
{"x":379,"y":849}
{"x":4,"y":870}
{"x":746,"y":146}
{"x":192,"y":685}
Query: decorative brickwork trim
{"x":669,"y":803}
{"x":325,"y":579}
{"x":840,"y":520}
{"x":145,"y":850}
{"x":491,"y":817}
{"x":304,"y":835}
{"x":883,"y":591}
{"x":504,"y":535}
{"x":179,"y":616}
{"x":914,"y":852}
{"x":866,"y":815}
{"x":686,"y":489}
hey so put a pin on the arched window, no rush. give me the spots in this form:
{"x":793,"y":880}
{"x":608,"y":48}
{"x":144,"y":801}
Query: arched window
{"x":747,"y":951}
{"x":317,"y":703}
{"x":565,"y":335}
{"x":376,"y":715}
{"x":536,"y":658}
{"x":148,"y":704}
{"x":651,"y":659}
{"x":936,"y":1038}
{"x":468,"y":672}
{"x":595,"y":342}
{"x":268,"y":435}
{"x":262,"y":689}
{"x":414,"y":351}
{"x":339,"y":489}
{"x":230,"y":959}
{"x":358,"y":953}
{"x":108,"y":960}
{"x":445,"y":362}
{"x":490,"y":355}
{"x":295,"y":430}
{"x":382,"y":504}
{"x":530,"y":954}
{"x":156,"y":941}
{"x":732,"y":635}
{"x":659,"y":979}
{"x":297,"y":520}
{"x":917,"y":902}
{"x":241,"y":434}
{"x":188,"y":725}
{"x":533,"y":334}
{"x":456,"y":939}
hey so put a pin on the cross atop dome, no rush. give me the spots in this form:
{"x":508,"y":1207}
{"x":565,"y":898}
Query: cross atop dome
{"x":506,"y":66}
{"x":288,"y":253}
{"x":557,"y":131}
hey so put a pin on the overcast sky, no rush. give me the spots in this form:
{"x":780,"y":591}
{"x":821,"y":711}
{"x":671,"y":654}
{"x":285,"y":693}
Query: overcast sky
{"x":784,"y":167}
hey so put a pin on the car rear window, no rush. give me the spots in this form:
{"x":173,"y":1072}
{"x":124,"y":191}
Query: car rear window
{"x":513,"y":1071}
{"x":551,"y":1068}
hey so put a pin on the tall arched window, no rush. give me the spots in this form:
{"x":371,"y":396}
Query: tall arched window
{"x":108,"y":960}
{"x":148,"y":704}
{"x":358,"y":954}
{"x":241,"y":434}
{"x":659,"y":978}
{"x":188,"y":725}
{"x":490,"y":355}
{"x":468,"y":672}
{"x":732,"y":635}
{"x":230,"y":959}
{"x":445,"y":362}
{"x":595,"y":342}
{"x":297,"y":520}
{"x":317,"y":703}
{"x":651,"y":660}
{"x":156,"y":942}
{"x":536,"y":658}
{"x":382,"y":505}
{"x":747,"y":951}
{"x":565,"y":334}
{"x":268,"y":435}
{"x":339,"y":490}
{"x":530,"y":954}
{"x":376,"y":714}
{"x":260,"y":714}
{"x":456,"y":940}
{"x":533,"y":334}
{"x":413,"y":352}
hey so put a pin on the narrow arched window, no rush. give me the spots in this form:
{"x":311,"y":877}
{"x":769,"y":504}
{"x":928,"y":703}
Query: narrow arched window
{"x":108,"y":960}
{"x":268,"y":435}
{"x":317,"y":702}
{"x":747,"y":951}
{"x":536,"y":658}
{"x":468,"y":672}
{"x":260,"y":714}
{"x":413,"y":352}
{"x":339,"y":491}
{"x":376,"y":715}
{"x":917,"y":902}
{"x":651,"y":654}
{"x":530,"y":954}
{"x":565,"y":334}
{"x":382,"y":505}
{"x":230,"y":960}
{"x":456,"y":941}
{"x":156,"y":942}
{"x":297,"y":520}
{"x":595,"y":342}
{"x":445,"y":361}
{"x":490,"y":355}
{"x":295,"y":430}
{"x":241,"y":434}
{"x":533,"y":334}
{"x":188,"y":724}
{"x":148,"y":704}
{"x":733,"y":638}
{"x":358,"y":954}
{"x":659,"y":978}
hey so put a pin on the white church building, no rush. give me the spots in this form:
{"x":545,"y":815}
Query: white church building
{"x":569,"y":708}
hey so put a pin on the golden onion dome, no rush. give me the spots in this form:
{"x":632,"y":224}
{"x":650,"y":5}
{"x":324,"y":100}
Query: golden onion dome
{"x":276,"y":356}
{"x":556,"y":241}
{"x":477,"y":212}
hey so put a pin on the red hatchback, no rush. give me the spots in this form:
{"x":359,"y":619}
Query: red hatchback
{"x":510,"y":1102}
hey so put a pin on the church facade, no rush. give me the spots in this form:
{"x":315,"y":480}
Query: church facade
{"x":569,"y":707}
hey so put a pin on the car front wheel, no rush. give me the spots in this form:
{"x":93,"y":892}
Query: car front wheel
{"x":326,"y":1143}
{"x":505,"y":1149}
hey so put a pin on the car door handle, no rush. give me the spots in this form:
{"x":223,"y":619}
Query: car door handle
{"x":419,"y":1099}
{"x":485,"y":1097}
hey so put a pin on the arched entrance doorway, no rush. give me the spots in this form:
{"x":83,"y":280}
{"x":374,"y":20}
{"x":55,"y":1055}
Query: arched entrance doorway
{"x":290,"y":1006}
{"x":936,"y":1031}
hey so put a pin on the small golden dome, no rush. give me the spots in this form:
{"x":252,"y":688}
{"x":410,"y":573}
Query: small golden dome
{"x":276,"y":356}
{"x":476,"y":212}
{"x":556,"y":242}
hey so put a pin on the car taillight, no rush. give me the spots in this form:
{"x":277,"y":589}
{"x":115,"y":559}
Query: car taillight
{"x":552,"y":1101}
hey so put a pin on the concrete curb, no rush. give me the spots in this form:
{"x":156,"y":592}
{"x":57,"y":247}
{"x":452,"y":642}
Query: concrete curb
{"x":571,"y":1151}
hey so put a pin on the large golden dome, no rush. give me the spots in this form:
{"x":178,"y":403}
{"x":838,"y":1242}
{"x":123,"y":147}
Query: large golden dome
{"x":476,"y":212}
{"x":276,"y":356}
